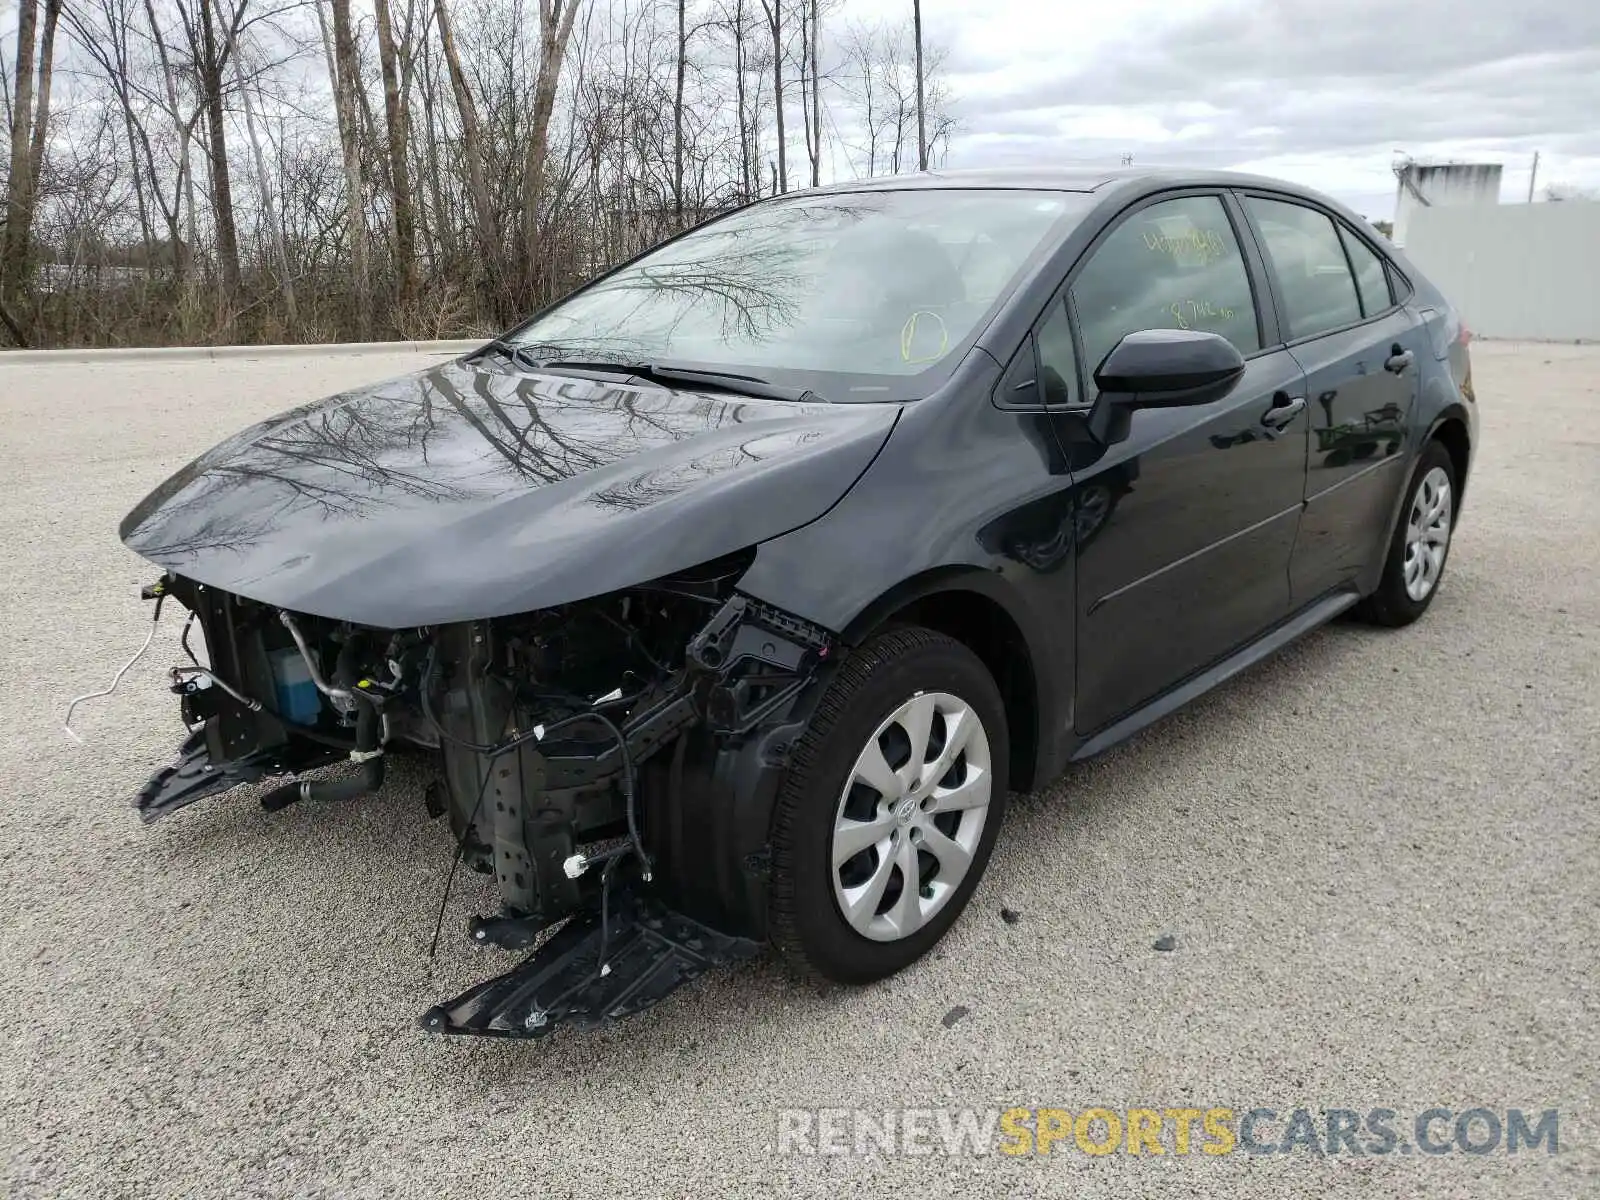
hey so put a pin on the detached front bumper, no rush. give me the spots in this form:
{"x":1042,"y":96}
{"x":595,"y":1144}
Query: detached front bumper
{"x":600,"y":966}
{"x":198,"y":773}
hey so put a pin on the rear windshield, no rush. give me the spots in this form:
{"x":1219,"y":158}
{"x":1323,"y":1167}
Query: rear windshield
{"x":859,"y":296}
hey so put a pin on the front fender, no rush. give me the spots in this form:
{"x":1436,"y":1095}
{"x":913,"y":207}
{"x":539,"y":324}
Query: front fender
{"x":964,"y":498}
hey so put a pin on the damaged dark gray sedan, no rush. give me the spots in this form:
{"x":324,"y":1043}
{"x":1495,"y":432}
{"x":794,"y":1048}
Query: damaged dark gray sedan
{"x":732,"y":594}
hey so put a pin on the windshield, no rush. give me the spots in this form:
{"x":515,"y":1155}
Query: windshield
{"x":858,"y":296}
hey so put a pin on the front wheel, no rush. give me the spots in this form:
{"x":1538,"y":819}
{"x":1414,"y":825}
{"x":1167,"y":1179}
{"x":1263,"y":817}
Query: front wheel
{"x":889,"y":812}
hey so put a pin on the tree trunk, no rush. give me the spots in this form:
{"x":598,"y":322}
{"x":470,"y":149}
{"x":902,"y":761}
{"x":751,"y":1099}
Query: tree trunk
{"x":269,"y":209}
{"x":472,"y":150}
{"x":41,"y":120}
{"x":221,"y":186}
{"x":677,"y":114}
{"x":805,"y":79}
{"x":555,"y":32}
{"x":13,"y":327}
{"x":748,"y":188}
{"x":816,"y":98}
{"x":146,"y":235}
{"x":19,"y":220}
{"x":922,"y":129}
{"x":774,"y":11}
{"x":438,"y":228}
{"x":185,"y":184}
{"x":30,"y":118}
{"x":345,"y":83}
{"x":399,"y":127}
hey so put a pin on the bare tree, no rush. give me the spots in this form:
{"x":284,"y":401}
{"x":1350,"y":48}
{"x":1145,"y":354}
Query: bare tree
{"x":816,"y":94}
{"x":398,"y":123}
{"x":291,"y":306}
{"x":882,"y":81}
{"x":736,"y":23}
{"x":861,"y":64}
{"x":774,"y":11}
{"x":677,"y":109}
{"x":922,"y":128}
{"x":183,"y":128}
{"x":210,"y":57}
{"x":520,"y":147}
{"x":30,"y":118}
{"x":555,"y":31}
{"x":346,"y":87}
{"x":472,"y":149}
{"x":1557,"y":192}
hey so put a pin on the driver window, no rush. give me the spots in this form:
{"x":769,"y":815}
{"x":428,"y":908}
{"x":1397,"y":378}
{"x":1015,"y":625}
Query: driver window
{"x":1172,"y":265}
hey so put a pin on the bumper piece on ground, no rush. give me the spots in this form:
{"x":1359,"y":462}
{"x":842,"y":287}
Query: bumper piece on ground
{"x":509,"y":932}
{"x":651,"y":952}
{"x":194,"y":776}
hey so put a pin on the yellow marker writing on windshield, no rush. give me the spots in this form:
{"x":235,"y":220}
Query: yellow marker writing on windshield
{"x":908,"y":334}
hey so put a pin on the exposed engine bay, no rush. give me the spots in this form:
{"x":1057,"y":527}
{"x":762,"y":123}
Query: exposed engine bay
{"x":588,"y":756}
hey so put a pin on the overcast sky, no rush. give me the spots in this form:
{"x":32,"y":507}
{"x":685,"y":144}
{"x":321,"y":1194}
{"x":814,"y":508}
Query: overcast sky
{"x":1320,"y":91}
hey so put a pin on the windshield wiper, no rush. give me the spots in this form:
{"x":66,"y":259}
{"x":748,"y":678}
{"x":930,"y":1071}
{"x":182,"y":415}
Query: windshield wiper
{"x":518,"y":355}
{"x":664,"y":374}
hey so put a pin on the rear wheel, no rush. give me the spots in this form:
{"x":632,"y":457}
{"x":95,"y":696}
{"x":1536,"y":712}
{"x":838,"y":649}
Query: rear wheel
{"x":889,"y":812}
{"x":1420,"y":544}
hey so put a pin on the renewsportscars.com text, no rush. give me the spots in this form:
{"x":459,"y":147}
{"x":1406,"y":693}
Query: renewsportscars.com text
{"x":1136,"y":1131}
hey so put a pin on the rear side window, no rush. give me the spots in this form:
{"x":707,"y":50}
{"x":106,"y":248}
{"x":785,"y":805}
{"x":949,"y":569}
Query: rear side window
{"x":1314,"y":279}
{"x":1172,"y":265}
{"x":1372,"y":281}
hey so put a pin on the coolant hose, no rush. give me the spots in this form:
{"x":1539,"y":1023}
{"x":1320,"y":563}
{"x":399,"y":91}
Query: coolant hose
{"x":368,"y":777}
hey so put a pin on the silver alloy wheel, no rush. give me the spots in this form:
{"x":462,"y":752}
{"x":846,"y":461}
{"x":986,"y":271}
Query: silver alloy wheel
{"x":1427,"y":534}
{"x":910,"y":817}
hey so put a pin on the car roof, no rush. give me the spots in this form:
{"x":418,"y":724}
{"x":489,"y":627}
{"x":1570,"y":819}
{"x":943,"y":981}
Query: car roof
{"x":1067,"y":179}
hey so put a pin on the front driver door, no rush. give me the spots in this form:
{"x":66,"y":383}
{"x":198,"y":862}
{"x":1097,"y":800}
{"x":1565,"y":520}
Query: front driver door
{"x":1184,"y":529}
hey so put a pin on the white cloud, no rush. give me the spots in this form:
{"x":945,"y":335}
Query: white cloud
{"x":1320,"y":91}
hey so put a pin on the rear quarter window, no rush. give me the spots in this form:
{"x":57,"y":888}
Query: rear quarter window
{"x":1372,"y":277}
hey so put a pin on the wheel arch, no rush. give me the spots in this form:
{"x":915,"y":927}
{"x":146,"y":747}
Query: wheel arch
{"x":1451,"y":430}
{"x":974,"y":608}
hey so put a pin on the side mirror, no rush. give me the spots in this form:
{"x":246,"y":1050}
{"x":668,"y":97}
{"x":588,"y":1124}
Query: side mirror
{"x":1161,"y":368}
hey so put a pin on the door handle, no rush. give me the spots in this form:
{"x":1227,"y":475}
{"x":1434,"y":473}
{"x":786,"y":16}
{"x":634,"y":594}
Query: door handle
{"x":1284,"y":409}
{"x":1398,"y":361}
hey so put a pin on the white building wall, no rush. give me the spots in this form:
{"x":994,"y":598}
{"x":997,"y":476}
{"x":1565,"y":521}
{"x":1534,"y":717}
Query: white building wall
{"x":1515,"y":270}
{"x":1444,"y":185}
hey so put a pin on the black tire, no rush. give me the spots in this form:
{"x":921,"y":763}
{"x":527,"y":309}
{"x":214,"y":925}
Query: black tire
{"x":806,"y":925}
{"x":1390,"y":604}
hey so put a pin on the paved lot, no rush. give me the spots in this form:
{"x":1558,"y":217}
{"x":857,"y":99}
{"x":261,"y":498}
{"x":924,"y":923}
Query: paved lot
{"x":1379,"y":854}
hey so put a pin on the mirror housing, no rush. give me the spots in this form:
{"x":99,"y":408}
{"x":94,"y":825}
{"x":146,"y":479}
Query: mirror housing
{"x":1161,"y":368}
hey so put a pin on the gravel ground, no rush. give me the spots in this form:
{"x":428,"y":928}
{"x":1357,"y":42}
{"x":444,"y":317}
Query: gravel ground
{"x":1379,"y":855}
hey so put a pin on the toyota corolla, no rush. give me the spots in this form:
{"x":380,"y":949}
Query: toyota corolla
{"x":730,"y":596}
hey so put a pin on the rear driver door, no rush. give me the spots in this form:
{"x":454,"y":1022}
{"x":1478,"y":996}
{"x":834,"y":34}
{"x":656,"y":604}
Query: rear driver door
{"x":1186,"y":556}
{"x":1361,"y":351}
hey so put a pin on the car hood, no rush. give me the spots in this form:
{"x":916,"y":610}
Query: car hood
{"x":469,"y":491}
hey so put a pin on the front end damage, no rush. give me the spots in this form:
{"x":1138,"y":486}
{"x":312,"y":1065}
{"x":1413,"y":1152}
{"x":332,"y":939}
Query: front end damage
{"x":611,"y":762}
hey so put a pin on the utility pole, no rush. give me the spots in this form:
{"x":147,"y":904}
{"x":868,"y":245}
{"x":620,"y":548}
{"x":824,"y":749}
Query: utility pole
{"x":922,"y":129}
{"x":1532,"y":175}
